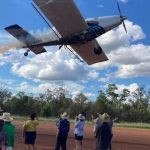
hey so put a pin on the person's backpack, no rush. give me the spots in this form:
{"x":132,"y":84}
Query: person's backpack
{"x":64,"y":127}
{"x":105,"y":134}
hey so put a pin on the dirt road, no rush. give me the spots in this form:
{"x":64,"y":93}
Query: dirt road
{"x":123,"y":139}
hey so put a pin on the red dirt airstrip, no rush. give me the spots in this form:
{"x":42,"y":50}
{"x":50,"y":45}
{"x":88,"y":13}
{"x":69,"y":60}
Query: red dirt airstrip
{"x":123,"y":139}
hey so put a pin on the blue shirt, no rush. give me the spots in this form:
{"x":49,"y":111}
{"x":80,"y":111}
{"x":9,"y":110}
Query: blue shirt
{"x":64,"y":127}
{"x":79,"y":128}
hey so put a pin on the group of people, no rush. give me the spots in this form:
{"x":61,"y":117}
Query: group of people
{"x":102,"y":131}
{"x":8,"y":131}
{"x":63,"y":126}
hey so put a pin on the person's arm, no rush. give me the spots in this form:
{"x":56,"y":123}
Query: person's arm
{"x":116,"y":118}
{"x":69,"y":127}
{"x":23,"y":134}
{"x":36,"y":122}
{"x":76,"y":119}
{"x":76,"y":124}
{"x":24,"y":129}
{"x":97,"y":131}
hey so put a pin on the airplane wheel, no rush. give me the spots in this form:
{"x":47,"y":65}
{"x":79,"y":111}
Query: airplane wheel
{"x":26,"y":54}
{"x":98,"y":51}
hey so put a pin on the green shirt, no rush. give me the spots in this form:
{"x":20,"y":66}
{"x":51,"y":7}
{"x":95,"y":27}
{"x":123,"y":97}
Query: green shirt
{"x":10,"y":130}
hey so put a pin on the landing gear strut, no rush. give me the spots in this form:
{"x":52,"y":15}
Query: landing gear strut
{"x":26,"y":53}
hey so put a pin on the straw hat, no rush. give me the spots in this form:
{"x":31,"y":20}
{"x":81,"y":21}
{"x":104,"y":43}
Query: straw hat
{"x":6,"y":117}
{"x":105,"y":117}
{"x":64,"y":115}
{"x":81,"y":117}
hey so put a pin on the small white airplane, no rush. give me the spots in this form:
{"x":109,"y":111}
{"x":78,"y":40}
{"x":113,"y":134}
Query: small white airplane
{"x":75,"y":31}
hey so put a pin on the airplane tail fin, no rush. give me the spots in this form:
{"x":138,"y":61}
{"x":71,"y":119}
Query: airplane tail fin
{"x":26,"y":38}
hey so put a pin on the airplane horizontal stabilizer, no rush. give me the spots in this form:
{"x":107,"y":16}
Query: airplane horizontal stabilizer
{"x":37,"y":49}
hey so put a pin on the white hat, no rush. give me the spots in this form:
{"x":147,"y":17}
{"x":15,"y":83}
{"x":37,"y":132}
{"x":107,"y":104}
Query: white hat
{"x":80,"y":116}
{"x":6,"y":117}
{"x":64,"y":115}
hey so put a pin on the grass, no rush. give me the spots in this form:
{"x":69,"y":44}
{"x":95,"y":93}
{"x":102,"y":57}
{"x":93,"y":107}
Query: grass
{"x":23,"y":118}
{"x":133,"y":125}
{"x":122,"y":124}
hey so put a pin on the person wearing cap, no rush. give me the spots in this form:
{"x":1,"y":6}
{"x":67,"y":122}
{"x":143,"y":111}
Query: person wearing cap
{"x":62,"y":135}
{"x":9,"y":129}
{"x":104,"y":131}
{"x":29,"y":131}
{"x":79,"y":131}
{"x":3,"y":136}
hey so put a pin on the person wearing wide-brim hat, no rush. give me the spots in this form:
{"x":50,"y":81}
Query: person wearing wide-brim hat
{"x":105,"y":117}
{"x":63,"y":129}
{"x":104,"y":132}
{"x":79,"y":131}
{"x":9,"y":129}
{"x":64,"y":115}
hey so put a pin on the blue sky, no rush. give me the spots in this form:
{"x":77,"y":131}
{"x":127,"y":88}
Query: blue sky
{"x":129,"y":54}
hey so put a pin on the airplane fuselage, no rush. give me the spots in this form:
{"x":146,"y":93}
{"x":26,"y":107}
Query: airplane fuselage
{"x":96,"y":28}
{"x":93,"y":31}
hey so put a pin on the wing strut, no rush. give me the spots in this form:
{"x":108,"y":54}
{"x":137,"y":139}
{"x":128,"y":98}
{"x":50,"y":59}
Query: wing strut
{"x":44,"y":19}
{"x":74,"y":54}
{"x":54,"y":31}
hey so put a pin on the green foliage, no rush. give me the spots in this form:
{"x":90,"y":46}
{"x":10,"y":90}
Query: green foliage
{"x":127,"y":106}
{"x":45,"y":111}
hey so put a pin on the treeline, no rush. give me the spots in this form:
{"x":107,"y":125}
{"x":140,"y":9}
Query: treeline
{"x":126,"y":105}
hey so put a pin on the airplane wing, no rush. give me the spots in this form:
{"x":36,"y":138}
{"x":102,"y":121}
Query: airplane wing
{"x":26,"y":38}
{"x":86,"y":51}
{"x":64,"y":15}
{"x":66,"y":18}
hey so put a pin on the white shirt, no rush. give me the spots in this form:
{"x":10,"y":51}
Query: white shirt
{"x":79,"y":128}
{"x":98,"y":123}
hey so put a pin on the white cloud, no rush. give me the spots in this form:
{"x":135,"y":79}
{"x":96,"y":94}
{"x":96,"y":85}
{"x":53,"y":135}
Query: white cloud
{"x":131,"y":59}
{"x":131,"y":87}
{"x":100,"y":6}
{"x":72,"y":87}
{"x":51,"y":66}
{"x":124,"y":1}
{"x":103,"y":79}
{"x":93,"y":74}
{"x":117,"y":38}
{"x":58,"y":65}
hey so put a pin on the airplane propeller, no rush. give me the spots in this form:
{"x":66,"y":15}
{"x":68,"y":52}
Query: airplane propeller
{"x":122,"y":17}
